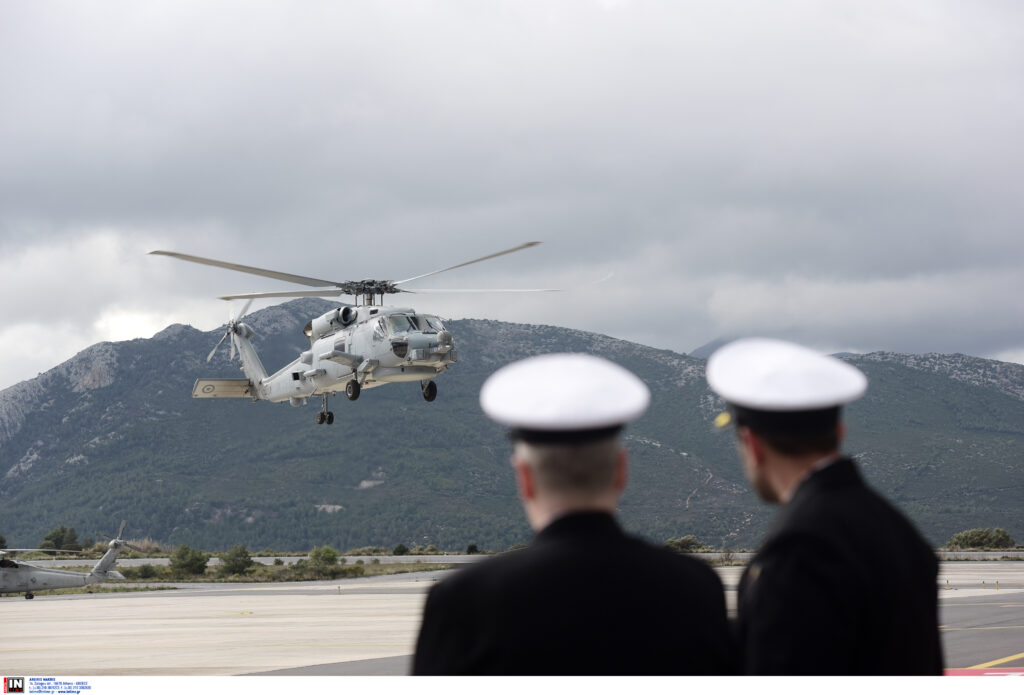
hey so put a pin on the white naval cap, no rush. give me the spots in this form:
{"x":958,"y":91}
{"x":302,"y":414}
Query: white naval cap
{"x":564,"y":397}
{"x":763,"y":375}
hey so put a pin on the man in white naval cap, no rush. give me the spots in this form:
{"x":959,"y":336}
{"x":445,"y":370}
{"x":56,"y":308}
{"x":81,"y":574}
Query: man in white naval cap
{"x":843,"y":583}
{"x":584,"y":597}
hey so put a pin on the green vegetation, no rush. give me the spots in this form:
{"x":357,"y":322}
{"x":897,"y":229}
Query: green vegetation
{"x":323,"y":561}
{"x":301,"y":571}
{"x":376,"y":570}
{"x":981,"y":539}
{"x":235,"y":561}
{"x":187,"y":561}
{"x":61,"y":538}
{"x":687,"y":544}
{"x":3,"y":542}
{"x":369,"y":550}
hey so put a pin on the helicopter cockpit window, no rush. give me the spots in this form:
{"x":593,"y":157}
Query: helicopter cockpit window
{"x":401,"y":324}
{"x":433,"y":322}
{"x":379,"y":331}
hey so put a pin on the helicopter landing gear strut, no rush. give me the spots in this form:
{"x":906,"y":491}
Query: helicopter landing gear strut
{"x":429,"y":389}
{"x":325,"y":415}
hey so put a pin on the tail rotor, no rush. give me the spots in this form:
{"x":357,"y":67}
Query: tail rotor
{"x":231,"y":329}
{"x":119,"y":541}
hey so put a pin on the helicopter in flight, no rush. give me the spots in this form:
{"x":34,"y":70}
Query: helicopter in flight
{"x":18,"y":577}
{"x":356,"y":346}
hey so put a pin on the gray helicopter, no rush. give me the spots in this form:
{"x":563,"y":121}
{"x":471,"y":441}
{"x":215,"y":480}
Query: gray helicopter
{"x":356,"y":346}
{"x":18,"y":577}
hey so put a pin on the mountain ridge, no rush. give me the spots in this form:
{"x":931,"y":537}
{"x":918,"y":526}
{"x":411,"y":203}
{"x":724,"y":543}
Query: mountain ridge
{"x":113,"y":433}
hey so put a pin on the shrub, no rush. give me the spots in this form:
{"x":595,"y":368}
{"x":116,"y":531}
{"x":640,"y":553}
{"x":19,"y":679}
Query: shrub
{"x":686,"y":544}
{"x":368,"y":550}
{"x":323,"y":557}
{"x":981,"y":538}
{"x":471,"y":549}
{"x":186,"y":560}
{"x":236,"y":561}
{"x":146,"y":571}
{"x":62,"y":538}
{"x":400,"y":549}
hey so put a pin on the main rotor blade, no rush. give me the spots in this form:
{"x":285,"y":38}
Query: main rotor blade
{"x":287,"y":277}
{"x":437,"y":291}
{"x":323,"y":292}
{"x":477,"y":260}
{"x":121,"y":530}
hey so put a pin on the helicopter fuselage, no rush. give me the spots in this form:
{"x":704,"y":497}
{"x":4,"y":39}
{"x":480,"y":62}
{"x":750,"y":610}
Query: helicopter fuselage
{"x":372,"y":345}
{"x":21,"y":577}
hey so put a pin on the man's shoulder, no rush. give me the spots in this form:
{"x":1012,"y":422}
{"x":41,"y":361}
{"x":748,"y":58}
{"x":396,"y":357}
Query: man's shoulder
{"x":498,"y":568}
{"x":851,"y":522}
{"x":634,"y":556}
{"x":835,"y":492}
{"x":668,"y":560}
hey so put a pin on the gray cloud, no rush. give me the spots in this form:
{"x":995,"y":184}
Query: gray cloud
{"x":848,"y":174}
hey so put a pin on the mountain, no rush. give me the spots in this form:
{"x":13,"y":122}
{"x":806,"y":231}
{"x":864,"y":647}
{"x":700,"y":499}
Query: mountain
{"x":114,"y":434}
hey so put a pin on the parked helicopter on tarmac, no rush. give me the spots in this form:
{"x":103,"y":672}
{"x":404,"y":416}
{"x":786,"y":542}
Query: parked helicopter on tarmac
{"x":18,"y":577}
{"x":353,"y":347}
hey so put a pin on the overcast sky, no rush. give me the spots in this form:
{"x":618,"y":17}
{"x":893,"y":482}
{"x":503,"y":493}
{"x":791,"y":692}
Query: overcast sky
{"x":846,"y":174}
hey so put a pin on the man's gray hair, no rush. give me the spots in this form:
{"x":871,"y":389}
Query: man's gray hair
{"x":572,"y":469}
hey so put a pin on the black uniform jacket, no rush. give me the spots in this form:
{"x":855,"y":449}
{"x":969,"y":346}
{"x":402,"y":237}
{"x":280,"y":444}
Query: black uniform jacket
{"x":583,"y":598}
{"x":843,"y":584}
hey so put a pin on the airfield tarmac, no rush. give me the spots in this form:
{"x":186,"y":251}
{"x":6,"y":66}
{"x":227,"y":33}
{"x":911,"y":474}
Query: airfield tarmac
{"x":368,"y":626}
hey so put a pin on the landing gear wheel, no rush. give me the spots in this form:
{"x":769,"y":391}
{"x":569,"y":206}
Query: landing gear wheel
{"x":429,"y":391}
{"x":320,"y":418}
{"x":330,"y":417}
{"x":352,"y":390}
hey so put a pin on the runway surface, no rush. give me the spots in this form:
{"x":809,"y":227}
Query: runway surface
{"x":368,"y":626}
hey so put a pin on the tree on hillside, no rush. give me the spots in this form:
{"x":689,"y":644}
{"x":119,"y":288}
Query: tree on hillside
{"x":981,"y":538}
{"x":61,"y":538}
{"x":3,"y":542}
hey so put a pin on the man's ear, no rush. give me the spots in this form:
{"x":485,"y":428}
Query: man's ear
{"x":621,"y":471}
{"x":754,"y":444}
{"x":526,"y":484}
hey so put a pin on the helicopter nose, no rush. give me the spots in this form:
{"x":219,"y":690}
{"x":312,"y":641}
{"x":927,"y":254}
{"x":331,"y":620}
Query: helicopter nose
{"x":445,"y":341}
